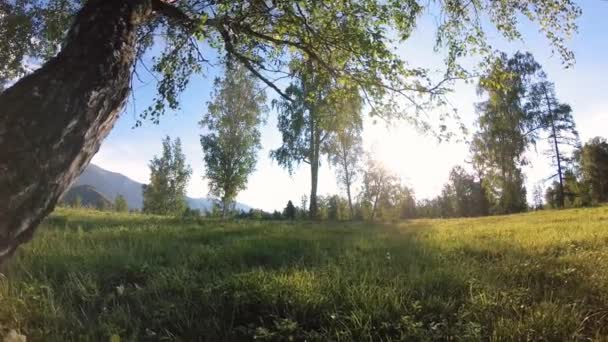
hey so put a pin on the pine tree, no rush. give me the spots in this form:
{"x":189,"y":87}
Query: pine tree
{"x":290,"y":211}
{"x":557,"y":119}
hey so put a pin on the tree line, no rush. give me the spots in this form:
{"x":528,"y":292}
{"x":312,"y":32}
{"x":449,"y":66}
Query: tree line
{"x":324,"y":120}
{"x":119,"y":205}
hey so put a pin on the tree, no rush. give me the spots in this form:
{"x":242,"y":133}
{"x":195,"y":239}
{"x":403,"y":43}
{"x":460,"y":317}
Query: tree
{"x":575,"y":193}
{"x":309,"y":123}
{"x":346,"y":152}
{"x":77,"y":202}
{"x":232,"y":142}
{"x":303,"y":207}
{"x":276,"y":215}
{"x":378,"y":184}
{"x":405,"y":202}
{"x":593,"y":163}
{"x":557,"y":119}
{"x":505,"y":130}
{"x":383,"y":195}
{"x":290,"y":211}
{"x":427,"y":208}
{"x":169,"y":176}
{"x":337,"y":208}
{"x":120,"y":204}
{"x":537,"y":194}
{"x":191,"y":214}
{"x":104,"y":206}
{"x":255,"y":214}
{"x":322,"y":208}
{"x":54,"y":119}
{"x":463,"y":195}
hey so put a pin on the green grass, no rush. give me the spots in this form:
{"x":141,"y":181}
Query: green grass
{"x":90,"y":275}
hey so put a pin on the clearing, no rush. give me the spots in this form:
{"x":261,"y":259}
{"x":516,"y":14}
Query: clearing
{"x":91,"y":275}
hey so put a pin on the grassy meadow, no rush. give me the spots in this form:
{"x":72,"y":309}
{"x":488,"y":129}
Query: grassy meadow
{"x":104,"y":276}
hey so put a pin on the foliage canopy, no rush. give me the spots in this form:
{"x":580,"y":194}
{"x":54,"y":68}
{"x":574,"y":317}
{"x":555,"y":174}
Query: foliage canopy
{"x":232,"y":139}
{"x":169,"y":176}
{"x":352,"y":41}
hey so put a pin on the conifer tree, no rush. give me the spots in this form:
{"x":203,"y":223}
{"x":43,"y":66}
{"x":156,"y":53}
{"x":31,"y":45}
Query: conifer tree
{"x":290,"y":211}
{"x":555,"y":118}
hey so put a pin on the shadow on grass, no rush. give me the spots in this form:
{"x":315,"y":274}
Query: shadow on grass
{"x":280,"y":281}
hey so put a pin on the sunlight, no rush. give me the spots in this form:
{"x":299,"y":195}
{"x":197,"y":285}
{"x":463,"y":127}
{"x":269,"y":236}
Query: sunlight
{"x":419,"y":159}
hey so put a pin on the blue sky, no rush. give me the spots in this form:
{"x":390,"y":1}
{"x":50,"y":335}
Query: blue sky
{"x":419,"y":160}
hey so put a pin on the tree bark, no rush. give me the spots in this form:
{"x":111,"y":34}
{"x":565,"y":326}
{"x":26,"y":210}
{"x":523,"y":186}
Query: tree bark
{"x":314,"y":174}
{"x":350,"y":202}
{"x":347,"y":178}
{"x":373,"y":214}
{"x":53,"y":121}
{"x":558,"y":157}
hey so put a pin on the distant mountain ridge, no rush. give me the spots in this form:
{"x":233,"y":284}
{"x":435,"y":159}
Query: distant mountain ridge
{"x":111,"y":184}
{"x":87,"y":196}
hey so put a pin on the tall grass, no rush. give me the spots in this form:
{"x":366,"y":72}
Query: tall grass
{"x":95,"y":276}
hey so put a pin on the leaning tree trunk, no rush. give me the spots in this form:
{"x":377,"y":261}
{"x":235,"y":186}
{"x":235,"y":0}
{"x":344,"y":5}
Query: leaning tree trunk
{"x":53,"y":121}
{"x":558,"y":157}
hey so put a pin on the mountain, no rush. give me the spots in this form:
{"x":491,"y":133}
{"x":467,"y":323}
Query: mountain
{"x":87,"y":195}
{"x":111,"y":184}
{"x":205,"y":204}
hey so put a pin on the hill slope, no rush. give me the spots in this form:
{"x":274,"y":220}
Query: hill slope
{"x":88,"y":197}
{"x":112,"y":184}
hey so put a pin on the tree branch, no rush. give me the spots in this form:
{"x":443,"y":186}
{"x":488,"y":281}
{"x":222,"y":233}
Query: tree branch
{"x":177,"y":15}
{"x":180,"y":17}
{"x":172,"y":12}
{"x":298,"y":45}
{"x":248,"y":63}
